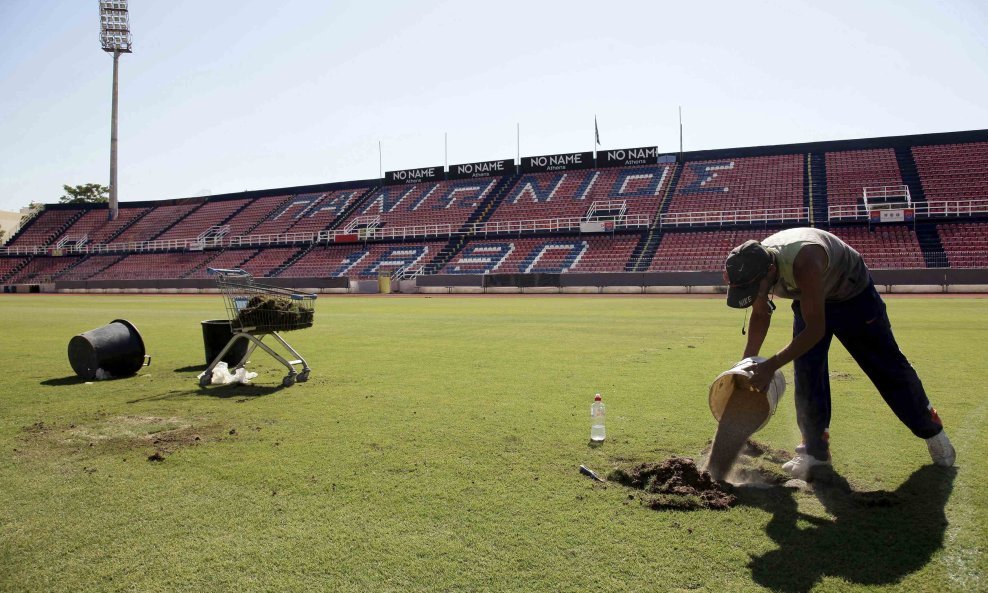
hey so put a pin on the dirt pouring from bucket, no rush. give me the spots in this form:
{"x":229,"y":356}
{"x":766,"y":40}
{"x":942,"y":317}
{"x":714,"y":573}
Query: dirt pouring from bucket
{"x":745,"y":412}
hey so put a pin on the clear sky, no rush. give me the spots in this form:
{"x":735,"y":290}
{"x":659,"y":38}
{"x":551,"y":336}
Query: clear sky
{"x":223,"y":96}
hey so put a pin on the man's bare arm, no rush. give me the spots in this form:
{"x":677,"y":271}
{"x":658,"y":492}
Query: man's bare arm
{"x":808,"y":269}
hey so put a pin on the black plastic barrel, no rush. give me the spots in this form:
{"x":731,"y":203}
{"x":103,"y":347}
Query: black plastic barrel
{"x":215,"y":334}
{"x":117,"y":348}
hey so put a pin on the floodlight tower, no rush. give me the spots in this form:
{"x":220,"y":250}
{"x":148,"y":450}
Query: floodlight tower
{"x":115,"y":38}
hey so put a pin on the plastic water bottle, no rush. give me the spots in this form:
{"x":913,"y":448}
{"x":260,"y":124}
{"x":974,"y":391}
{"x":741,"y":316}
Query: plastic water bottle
{"x":597,"y":419}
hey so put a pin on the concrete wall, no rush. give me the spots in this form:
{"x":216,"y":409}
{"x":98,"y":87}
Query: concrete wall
{"x":893,"y":281}
{"x":920,"y":281}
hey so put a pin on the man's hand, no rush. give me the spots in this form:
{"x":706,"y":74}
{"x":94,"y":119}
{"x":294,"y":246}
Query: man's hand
{"x":762,"y":374}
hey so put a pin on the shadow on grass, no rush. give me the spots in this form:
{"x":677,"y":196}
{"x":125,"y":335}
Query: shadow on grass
{"x":62,"y":381}
{"x":871,"y":538}
{"x":77,"y":380}
{"x":241,"y":392}
{"x":191,"y":368}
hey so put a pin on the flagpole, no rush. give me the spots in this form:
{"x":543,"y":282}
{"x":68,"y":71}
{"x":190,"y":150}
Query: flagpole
{"x":446,"y":147}
{"x":380,"y":160}
{"x":680,"y":132}
{"x":519,"y":143}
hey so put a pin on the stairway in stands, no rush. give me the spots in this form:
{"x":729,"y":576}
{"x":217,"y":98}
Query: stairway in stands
{"x":483,"y":213}
{"x":109,"y":263}
{"x":486,"y":208}
{"x":934,"y":254}
{"x":291,"y":260}
{"x":16,"y":269}
{"x":132,"y":222}
{"x":354,"y":204}
{"x":910,"y":175}
{"x":815,"y":190}
{"x":927,"y":235}
{"x":643,"y":253}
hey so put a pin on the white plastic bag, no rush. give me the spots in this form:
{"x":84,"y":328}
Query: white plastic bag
{"x":223,"y":376}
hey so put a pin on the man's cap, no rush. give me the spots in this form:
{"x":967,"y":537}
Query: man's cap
{"x":746,"y":265}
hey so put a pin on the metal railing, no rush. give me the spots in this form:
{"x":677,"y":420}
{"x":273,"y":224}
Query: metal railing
{"x":930,"y":210}
{"x":725,"y":217}
{"x":921,"y":210}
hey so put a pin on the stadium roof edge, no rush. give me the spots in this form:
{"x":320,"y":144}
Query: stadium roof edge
{"x":257,"y":193}
{"x":693,"y":155}
{"x":840,"y":145}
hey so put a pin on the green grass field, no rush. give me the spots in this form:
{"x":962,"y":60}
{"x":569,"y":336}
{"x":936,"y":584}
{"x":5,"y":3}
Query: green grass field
{"x":436,"y":448}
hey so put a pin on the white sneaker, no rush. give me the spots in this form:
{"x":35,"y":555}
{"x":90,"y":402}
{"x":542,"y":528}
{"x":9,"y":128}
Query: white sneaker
{"x":941,"y":451}
{"x":801,"y":465}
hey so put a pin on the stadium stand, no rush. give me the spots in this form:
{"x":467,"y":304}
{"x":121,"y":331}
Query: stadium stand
{"x":443,"y":206}
{"x":307,"y":213}
{"x":89,"y":267}
{"x":227,"y":259}
{"x":247,"y":220}
{"x":690,"y":210}
{"x":206,"y":216}
{"x":850,"y":171}
{"x":155,"y":222}
{"x":544,"y":255}
{"x":746,"y":183}
{"x":953,"y":171}
{"x":693,"y":251}
{"x":966,"y":244}
{"x":8,"y":266}
{"x":42,"y":269}
{"x":267,"y":261}
{"x":44,"y":228}
{"x":570,"y":194}
{"x":363,"y":261}
{"x":94,"y":227}
{"x":152,"y":266}
{"x":884,"y":247}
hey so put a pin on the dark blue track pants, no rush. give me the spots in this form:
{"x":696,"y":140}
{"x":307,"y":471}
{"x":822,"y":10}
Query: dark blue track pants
{"x":862,"y":326}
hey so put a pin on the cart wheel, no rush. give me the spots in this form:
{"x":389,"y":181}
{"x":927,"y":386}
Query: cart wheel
{"x":204,"y":381}
{"x":303,"y":376}
{"x":288,"y":381}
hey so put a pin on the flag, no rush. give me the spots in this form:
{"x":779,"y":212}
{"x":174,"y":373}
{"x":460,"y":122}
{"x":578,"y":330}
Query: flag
{"x":596,"y":131}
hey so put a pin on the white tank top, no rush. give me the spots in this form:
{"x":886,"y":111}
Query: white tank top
{"x":846,"y":274}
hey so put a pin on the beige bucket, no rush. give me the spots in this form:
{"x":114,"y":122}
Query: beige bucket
{"x":737,"y":378}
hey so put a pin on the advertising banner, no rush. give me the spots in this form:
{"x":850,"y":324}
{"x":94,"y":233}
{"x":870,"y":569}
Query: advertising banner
{"x":557,"y":162}
{"x":414,"y":175}
{"x":597,"y":226}
{"x":628,"y":157}
{"x":484,"y":169}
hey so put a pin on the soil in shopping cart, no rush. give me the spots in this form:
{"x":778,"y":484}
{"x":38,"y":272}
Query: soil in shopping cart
{"x":274,"y":311}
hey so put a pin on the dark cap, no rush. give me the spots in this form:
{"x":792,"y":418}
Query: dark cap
{"x":746,"y":265}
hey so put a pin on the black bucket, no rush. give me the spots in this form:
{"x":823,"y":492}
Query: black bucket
{"x":117,"y":348}
{"x":215,"y":334}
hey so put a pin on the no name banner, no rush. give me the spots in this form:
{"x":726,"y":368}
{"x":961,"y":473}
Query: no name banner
{"x":414,"y":175}
{"x":628,"y":157}
{"x":484,"y":169}
{"x":557,"y":162}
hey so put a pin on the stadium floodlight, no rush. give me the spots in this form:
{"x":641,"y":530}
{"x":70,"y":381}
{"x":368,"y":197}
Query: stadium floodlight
{"x":115,"y":38}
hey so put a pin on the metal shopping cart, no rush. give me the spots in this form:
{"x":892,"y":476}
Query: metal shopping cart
{"x":257,"y":311}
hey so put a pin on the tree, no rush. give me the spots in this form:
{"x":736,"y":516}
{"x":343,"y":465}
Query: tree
{"x":89,"y":193}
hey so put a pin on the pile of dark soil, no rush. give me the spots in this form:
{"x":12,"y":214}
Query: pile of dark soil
{"x":278,"y":313}
{"x":676,"y":483}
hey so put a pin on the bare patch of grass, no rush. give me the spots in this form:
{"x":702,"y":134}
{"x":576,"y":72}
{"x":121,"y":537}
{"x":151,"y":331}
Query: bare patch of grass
{"x":115,"y":434}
